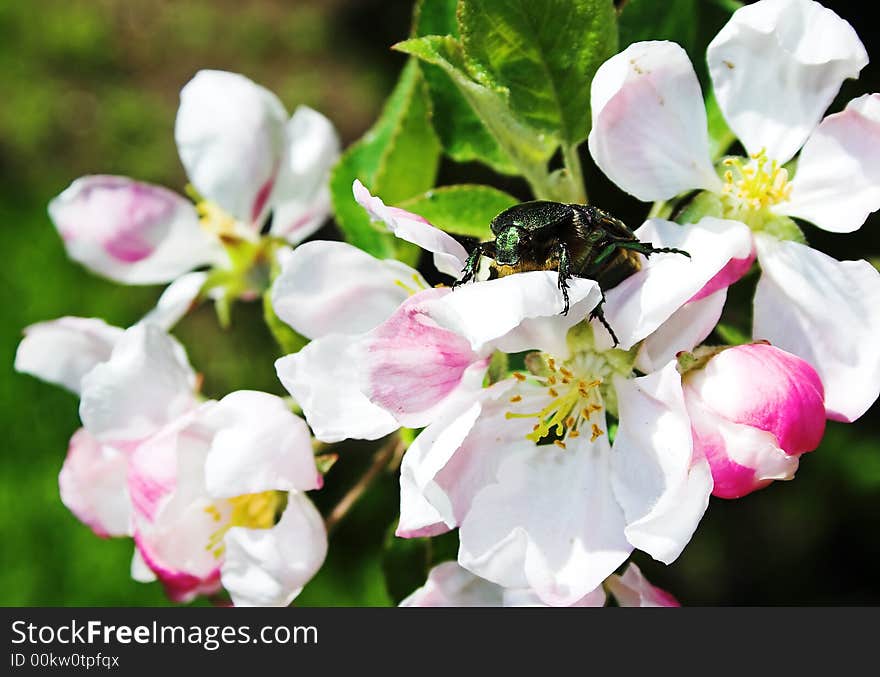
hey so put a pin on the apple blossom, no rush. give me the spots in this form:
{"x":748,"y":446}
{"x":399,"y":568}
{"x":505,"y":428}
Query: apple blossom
{"x":218,"y":498}
{"x":775,"y":67}
{"x":244,"y":157}
{"x":754,"y":410}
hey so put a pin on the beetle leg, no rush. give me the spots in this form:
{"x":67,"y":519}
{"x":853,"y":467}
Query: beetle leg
{"x":599,"y":314}
{"x":645,"y":248}
{"x":471,"y":265}
{"x":564,"y":271}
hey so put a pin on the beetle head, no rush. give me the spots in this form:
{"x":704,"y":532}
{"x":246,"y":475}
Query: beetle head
{"x":509,"y":244}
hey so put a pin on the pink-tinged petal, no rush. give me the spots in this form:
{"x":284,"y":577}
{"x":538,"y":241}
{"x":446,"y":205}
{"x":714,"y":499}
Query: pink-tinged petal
{"x":632,"y":589}
{"x":764,"y":387}
{"x":131,"y":232}
{"x":259,"y":445}
{"x":730,"y":274}
{"x":301,"y":197}
{"x":743,"y":459}
{"x":179,"y":585}
{"x":838,"y":173}
{"x":176,"y":301}
{"x":146,"y":383}
{"x":167,"y":462}
{"x":410,"y":365}
{"x":826,"y":312}
{"x":644,"y":301}
{"x":776,"y":66}
{"x":661,"y":484}
{"x":449,"y":254}
{"x":549,"y":522}
{"x":686,"y":328}
{"x":230,"y":134}
{"x":334,"y":288}
{"x":454,"y":457}
{"x":515,"y":313}
{"x":322,"y":377}
{"x":269,"y":567}
{"x":449,"y":585}
{"x":649,"y":131}
{"x":93,"y":485}
{"x":62,"y":351}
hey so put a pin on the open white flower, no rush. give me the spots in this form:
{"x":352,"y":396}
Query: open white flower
{"x":243,"y":154}
{"x":218,"y":498}
{"x":776,"y":66}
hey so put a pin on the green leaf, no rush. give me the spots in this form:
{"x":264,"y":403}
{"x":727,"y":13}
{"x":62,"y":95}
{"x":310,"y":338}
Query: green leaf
{"x":544,"y":53}
{"x":396,"y":159}
{"x":528,"y":149}
{"x":463,"y":134}
{"x":462,"y":210}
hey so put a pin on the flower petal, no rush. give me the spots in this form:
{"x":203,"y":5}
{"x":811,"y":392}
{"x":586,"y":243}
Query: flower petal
{"x":776,"y":66}
{"x":410,"y":366}
{"x":62,"y":351}
{"x":93,"y":485}
{"x":449,"y":254}
{"x":230,"y":134}
{"x":826,"y":312}
{"x":335,"y":288}
{"x":838,"y":173}
{"x":131,"y":232}
{"x":516,"y":312}
{"x":632,"y":589}
{"x":449,"y":585}
{"x":550,"y":522}
{"x":649,"y":131}
{"x":176,"y":301}
{"x":642,"y":302}
{"x":685,"y":329}
{"x":742,"y":458}
{"x":321,"y":378}
{"x":146,"y":383}
{"x":259,"y":445}
{"x":663,"y":488}
{"x":454,"y":457}
{"x":523,"y":597}
{"x":269,"y":567}
{"x":301,"y":197}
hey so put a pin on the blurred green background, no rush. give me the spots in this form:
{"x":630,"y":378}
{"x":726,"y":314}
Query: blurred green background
{"x":90,"y":86}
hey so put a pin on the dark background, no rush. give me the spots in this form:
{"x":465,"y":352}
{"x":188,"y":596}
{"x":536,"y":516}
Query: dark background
{"x":91,"y":86}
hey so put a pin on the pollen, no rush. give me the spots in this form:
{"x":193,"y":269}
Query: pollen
{"x":253,"y":511}
{"x":755,"y":184}
{"x":597,"y":433}
{"x":570,"y":406}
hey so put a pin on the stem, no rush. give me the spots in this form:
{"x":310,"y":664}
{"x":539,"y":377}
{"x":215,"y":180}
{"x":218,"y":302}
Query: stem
{"x":381,"y":459}
{"x":660,"y":210}
{"x":572,"y":161}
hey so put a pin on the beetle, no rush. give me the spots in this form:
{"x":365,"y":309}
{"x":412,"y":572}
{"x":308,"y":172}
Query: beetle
{"x":575,"y":240}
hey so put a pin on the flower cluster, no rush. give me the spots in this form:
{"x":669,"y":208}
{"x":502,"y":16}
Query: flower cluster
{"x":554,"y":449}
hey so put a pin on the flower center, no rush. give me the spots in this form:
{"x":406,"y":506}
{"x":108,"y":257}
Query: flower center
{"x":573,"y":402}
{"x":755,"y":184}
{"x":252,"y":511}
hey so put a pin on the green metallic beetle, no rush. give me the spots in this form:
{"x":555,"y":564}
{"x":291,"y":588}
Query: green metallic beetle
{"x":575,"y":240}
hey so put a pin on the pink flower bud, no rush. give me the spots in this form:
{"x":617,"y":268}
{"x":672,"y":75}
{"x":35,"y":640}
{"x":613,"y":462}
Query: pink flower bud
{"x":754,"y":409}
